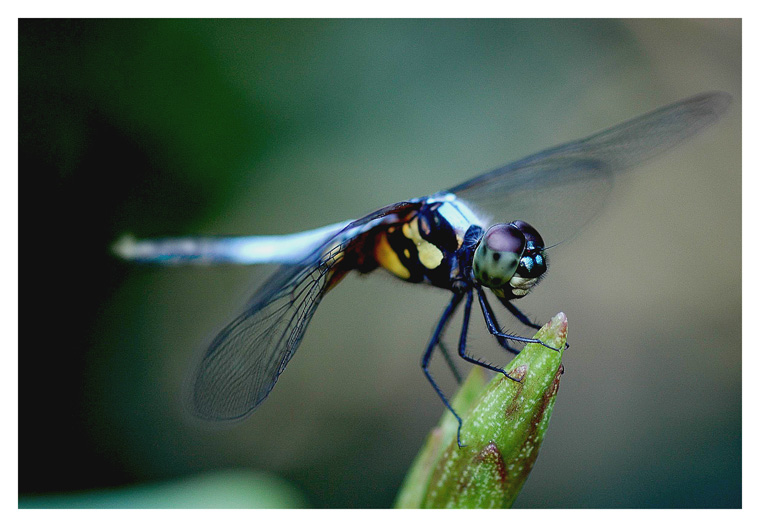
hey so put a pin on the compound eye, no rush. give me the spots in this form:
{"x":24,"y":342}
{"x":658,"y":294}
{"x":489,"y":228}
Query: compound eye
{"x":498,"y":255}
{"x":533,"y":239}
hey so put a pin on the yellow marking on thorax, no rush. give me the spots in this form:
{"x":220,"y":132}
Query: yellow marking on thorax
{"x":430,"y":256}
{"x":387,"y":257}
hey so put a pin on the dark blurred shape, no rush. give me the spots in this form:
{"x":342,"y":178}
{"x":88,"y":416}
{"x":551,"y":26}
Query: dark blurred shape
{"x":93,"y":157}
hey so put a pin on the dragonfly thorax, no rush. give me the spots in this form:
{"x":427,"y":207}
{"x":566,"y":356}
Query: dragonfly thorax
{"x":425,"y":245}
{"x":510,"y":259}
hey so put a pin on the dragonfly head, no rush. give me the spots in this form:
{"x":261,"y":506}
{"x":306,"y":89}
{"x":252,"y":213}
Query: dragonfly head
{"x":510,"y":259}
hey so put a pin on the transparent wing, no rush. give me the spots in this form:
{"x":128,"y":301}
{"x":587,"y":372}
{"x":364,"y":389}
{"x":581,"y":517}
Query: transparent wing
{"x":561,"y":189}
{"x":243,"y":363}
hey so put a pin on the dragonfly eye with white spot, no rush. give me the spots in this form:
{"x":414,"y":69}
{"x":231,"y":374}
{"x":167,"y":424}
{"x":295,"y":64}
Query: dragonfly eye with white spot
{"x":533,"y":261}
{"x":510,"y":259}
{"x":498,"y":255}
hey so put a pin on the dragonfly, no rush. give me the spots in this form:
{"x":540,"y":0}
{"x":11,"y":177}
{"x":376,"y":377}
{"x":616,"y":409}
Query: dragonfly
{"x":487,"y":233}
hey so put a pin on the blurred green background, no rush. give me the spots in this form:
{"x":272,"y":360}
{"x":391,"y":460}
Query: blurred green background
{"x":260,"y":126}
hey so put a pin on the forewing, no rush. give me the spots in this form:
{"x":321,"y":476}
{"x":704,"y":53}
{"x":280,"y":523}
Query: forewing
{"x":559,"y":190}
{"x":243,"y":362}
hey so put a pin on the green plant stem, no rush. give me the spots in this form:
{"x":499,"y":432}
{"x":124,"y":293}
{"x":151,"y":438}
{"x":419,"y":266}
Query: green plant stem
{"x":503,"y":427}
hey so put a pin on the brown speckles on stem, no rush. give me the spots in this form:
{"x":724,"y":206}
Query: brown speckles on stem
{"x":530,"y":447}
{"x":491,"y":454}
{"x":555,"y":384}
{"x":518,"y":373}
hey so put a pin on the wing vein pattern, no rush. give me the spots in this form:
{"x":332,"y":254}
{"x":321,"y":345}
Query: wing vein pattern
{"x":242,"y":364}
{"x":559,"y":190}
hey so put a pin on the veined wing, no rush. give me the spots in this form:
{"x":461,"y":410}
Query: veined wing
{"x":243,"y":363}
{"x":561,"y":189}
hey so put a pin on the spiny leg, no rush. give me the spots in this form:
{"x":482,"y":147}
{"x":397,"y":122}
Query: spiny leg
{"x":493,"y":327}
{"x":463,"y":341}
{"x":519,"y":315}
{"x":503,"y":341}
{"x":522,"y":318}
{"x":434,"y":341}
{"x":447,"y":357}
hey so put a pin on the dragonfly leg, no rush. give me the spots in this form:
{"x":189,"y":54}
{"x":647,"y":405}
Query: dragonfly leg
{"x":493,"y":328}
{"x":503,"y":341}
{"x":463,"y":341}
{"x":522,"y":318}
{"x":434,"y":341}
{"x":447,"y":357}
{"x":519,"y":315}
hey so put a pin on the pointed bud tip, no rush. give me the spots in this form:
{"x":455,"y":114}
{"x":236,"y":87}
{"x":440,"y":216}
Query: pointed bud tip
{"x":559,"y":318}
{"x":554,"y":332}
{"x":558,"y":325}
